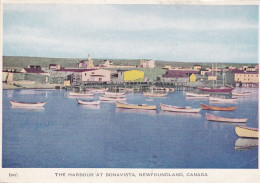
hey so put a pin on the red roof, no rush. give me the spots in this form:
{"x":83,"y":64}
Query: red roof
{"x":33,"y":70}
{"x":243,"y":72}
{"x":75,"y":70}
{"x":179,"y":73}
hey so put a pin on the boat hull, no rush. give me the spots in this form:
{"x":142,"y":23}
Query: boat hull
{"x":196,"y":95}
{"x":132,"y":106}
{"x":178,"y":109}
{"x":211,"y":117}
{"x":155,"y":94}
{"x":80,"y":94}
{"x":246,"y":132}
{"x":216,"y":108}
{"x":82,"y":102}
{"x":217,"y":90}
{"x":111,"y":99}
{"x":29,"y":105}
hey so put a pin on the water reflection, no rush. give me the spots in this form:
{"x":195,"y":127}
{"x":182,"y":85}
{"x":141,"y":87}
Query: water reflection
{"x":96,"y":107}
{"x":137,"y":111}
{"x":179,"y":114}
{"x":76,"y":97}
{"x":10,"y":93}
{"x":196,"y":98}
{"x":29,"y":108}
{"x":245,"y":143}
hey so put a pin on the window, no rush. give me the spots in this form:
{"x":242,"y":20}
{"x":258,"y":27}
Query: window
{"x":99,"y":79}
{"x":85,"y":74}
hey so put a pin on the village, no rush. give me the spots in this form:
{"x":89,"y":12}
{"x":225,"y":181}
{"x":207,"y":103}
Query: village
{"x":105,"y":74}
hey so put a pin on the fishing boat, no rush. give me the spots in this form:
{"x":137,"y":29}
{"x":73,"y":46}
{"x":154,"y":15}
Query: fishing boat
{"x":114,"y":94}
{"x":196,"y":94}
{"x":133,"y":106}
{"x":222,"y":100}
{"x":112,"y":98}
{"x":216,"y":108}
{"x":80,"y":94}
{"x":211,"y":117}
{"x":26,"y":104}
{"x":154,"y":94}
{"x":91,"y":102}
{"x":234,"y":93}
{"x":217,"y":90}
{"x":245,"y":143}
{"x":246,"y":132}
{"x":178,"y":109}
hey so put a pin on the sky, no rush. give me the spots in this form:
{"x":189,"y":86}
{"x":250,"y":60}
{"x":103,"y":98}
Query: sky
{"x":187,"y":33}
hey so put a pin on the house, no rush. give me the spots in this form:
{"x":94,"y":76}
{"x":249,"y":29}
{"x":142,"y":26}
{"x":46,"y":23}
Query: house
{"x":147,"y":64}
{"x":88,"y":64}
{"x":180,"y":75}
{"x":33,"y":70}
{"x":211,"y":76}
{"x":197,"y":67}
{"x":106,"y":63}
{"x":192,"y":78}
{"x":127,"y":76}
{"x":54,"y":66}
{"x":246,"y":78}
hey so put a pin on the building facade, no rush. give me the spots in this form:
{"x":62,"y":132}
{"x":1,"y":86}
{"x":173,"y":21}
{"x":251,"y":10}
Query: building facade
{"x":147,"y":64}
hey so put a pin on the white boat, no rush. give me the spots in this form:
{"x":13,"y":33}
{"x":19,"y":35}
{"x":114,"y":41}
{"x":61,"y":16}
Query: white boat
{"x":114,"y":94}
{"x":222,"y":100}
{"x":80,"y":94}
{"x":91,"y":102}
{"x":112,"y":99}
{"x":196,"y":95}
{"x":154,"y":94}
{"x":211,"y":117}
{"x":178,"y":109}
{"x":234,"y":93}
{"x":26,"y":104}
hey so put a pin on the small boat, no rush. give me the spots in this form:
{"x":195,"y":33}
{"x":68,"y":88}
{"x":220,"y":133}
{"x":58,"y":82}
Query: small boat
{"x":223,"y":100}
{"x":134,"y":106}
{"x":80,"y":94}
{"x":91,"y":102}
{"x":217,"y":90}
{"x":178,"y":109}
{"x":26,"y":104}
{"x":216,"y":108}
{"x":196,"y":94}
{"x":114,"y":94}
{"x":245,"y":143}
{"x":111,"y":99}
{"x":154,"y":94}
{"x":234,"y":93}
{"x":246,"y":132}
{"x":211,"y":117}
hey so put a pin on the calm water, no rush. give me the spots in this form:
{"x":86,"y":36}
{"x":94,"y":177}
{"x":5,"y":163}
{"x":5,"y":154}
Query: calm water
{"x":66,"y":134}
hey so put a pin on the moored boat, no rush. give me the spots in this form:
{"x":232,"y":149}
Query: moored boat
{"x":234,"y":93}
{"x":80,"y":94}
{"x":216,"y":108}
{"x":134,"y":106}
{"x":154,"y":94}
{"x":246,"y":132}
{"x":211,"y":117}
{"x":178,"y":109}
{"x":223,"y":100}
{"x":26,"y":104}
{"x":112,"y":99}
{"x":91,"y":102}
{"x":114,"y":94}
{"x":217,"y":90}
{"x":196,"y":94}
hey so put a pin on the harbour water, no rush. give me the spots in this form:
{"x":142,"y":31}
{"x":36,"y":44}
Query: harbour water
{"x":67,"y":135}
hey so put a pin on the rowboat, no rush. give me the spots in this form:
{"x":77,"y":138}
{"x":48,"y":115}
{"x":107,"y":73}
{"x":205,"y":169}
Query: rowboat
{"x":91,"y":102}
{"x":196,"y":94}
{"x":26,"y":104}
{"x":223,"y":100}
{"x":211,"y":117}
{"x":133,"y":106}
{"x":218,"y":90}
{"x":234,"y":93}
{"x":114,"y":94}
{"x":246,"y":132}
{"x":111,"y":99}
{"x":80,"y":94}
{"x":178,"y":109}
{"x":245,"y":143}
{"x":216,"y":108}
{"x":154,"y":94}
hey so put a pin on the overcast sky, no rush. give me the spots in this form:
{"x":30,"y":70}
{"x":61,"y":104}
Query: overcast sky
{"x":189,"y":33}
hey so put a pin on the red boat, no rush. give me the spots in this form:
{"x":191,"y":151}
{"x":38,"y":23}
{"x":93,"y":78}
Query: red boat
{"x":218,"y":90}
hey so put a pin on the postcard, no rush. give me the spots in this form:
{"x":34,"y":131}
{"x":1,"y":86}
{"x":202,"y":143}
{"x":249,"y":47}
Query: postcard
{"x":130,"y":91}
